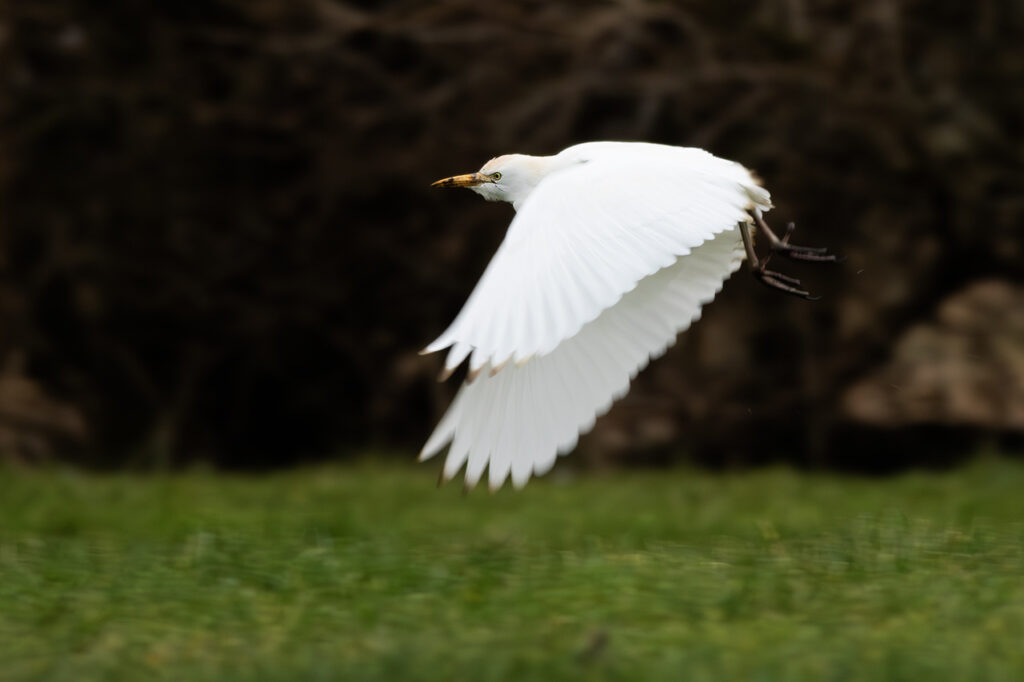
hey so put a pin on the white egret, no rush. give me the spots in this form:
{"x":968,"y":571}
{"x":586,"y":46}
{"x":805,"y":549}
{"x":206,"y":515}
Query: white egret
{"x":614,"y":248}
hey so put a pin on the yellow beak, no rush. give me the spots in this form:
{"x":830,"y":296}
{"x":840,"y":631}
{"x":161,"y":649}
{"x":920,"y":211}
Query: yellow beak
{"x":467,"y":180}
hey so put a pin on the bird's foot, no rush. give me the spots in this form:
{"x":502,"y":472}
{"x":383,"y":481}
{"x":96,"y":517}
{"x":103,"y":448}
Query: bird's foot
{"x":813,"y":254}
{"x":771,"y":278}
{"x":777,"y":280}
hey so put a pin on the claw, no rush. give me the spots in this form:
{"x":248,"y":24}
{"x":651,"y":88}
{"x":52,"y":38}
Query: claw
{"x":781,"y":276}
{"x":785,"y":246}
{"x":776,"y":280}
{"x":814,"y":254}
{"x":804,"y":253}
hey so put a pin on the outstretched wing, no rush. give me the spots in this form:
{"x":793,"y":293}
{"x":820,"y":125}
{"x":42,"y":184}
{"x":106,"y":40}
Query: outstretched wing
{"x":586,"y":236}
{"x":518,"y":420}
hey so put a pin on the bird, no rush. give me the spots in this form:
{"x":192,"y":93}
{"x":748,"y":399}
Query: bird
{"x":614,"y":249}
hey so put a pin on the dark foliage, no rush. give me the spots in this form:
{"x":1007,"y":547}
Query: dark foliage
{"x":219,"y":241}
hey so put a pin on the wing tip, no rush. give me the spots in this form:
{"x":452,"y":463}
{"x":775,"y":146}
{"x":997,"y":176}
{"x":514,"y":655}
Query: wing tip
{"x":472,"y":375}
{"x":435,"y":443}
{"x":437,"y":344}
{"x":497,"y":368}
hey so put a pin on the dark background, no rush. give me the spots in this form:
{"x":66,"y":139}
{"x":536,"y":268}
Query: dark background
{"x":218,"y":241}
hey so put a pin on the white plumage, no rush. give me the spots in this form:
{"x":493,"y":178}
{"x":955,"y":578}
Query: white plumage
{"x":613,"y":250}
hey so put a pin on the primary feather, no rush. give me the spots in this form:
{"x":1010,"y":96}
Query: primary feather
{"x":613,"y":250}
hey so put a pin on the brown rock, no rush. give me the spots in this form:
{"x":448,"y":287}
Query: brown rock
{"x":965,"y":367}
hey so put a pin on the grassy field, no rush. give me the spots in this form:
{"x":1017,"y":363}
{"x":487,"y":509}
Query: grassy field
{"x":369,"y":572}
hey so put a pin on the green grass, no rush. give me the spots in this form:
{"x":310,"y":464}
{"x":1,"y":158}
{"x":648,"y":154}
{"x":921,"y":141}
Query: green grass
{"x":369,"y":572}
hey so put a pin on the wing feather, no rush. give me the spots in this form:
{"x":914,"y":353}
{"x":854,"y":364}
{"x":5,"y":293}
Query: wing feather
{"x":604,"y":264}
{"x":520,"y":419}
{"x":585,"y":237}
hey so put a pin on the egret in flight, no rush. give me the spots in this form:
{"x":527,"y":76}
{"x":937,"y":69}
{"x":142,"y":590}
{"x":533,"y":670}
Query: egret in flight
{"x":614,"y":248}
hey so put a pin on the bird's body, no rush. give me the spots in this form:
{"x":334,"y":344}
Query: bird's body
{"x":614,"y":249}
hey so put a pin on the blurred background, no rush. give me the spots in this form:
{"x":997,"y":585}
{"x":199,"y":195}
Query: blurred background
{"x":218,"y":242}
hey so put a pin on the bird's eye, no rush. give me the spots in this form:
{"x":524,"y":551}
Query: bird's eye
{"x":496,"y":176}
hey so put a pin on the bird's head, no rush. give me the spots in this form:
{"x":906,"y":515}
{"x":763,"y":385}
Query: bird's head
{"x":505,"y":178}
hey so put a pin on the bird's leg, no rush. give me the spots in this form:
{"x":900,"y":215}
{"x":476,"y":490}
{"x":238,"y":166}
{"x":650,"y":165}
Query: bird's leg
{"x":770,"y":278}
{"x":805,"y":253}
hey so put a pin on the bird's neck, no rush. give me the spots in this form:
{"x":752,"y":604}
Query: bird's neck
{"x":536,"y":169}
